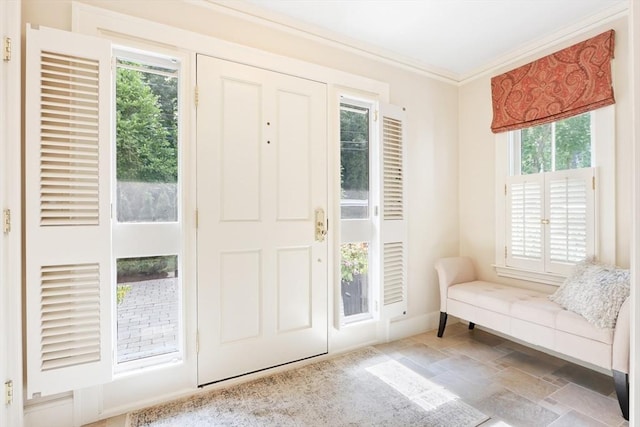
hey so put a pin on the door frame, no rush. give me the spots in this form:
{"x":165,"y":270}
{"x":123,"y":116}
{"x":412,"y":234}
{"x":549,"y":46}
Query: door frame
{"x":10,"y":197}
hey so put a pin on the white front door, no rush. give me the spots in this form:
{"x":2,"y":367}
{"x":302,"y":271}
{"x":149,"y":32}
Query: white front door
{"x":261,"y":183}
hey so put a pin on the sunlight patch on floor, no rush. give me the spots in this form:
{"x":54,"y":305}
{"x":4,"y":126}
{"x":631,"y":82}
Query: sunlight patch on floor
{"x":427,"y":394}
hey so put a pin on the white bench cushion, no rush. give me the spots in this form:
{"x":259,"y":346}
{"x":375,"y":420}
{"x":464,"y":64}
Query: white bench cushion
{"x":528,"y":305}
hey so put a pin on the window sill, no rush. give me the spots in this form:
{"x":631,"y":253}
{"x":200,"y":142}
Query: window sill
{"x":145,"y":365}
{"x":530,"y":276}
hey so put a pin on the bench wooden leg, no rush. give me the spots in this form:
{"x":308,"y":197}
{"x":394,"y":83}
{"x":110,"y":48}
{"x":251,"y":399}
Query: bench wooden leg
{"x":471,"y":325}
{"x":443,"y":323}
{"x":621,"y":382}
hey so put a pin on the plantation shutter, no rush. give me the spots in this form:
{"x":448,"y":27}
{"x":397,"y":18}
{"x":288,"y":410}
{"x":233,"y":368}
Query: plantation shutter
{"x":525,"y":210}
{"x":570,"y":210}
{"x":67,"y":215}
{"x":394,"y":213}
{"x":550,"y":220}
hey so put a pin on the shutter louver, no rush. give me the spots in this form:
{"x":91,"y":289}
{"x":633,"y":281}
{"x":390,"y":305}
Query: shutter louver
{"x":550,"y":220}
{"x":568,"y":237}
{"x":526,"y":208}
{"x":394,"y":213}
{"x":70,"y":315}
{"x":571,"y":212}
{"x":67,"y":211}
{"x":525,"y":203}
{"x":393,"y":187}
{"x":69,"y":140}
{"x":393,"y":273}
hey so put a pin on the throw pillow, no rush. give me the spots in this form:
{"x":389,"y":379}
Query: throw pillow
{"x":595,"y":291}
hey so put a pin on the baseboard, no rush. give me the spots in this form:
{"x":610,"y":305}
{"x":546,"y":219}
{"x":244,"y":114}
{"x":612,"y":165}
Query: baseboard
{"x":404,"y":328}
{"x":50,"y":412}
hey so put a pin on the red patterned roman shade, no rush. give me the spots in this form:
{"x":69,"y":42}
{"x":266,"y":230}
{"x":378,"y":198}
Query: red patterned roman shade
{"x":569,"y":82}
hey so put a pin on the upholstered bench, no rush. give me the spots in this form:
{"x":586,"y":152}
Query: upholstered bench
{"x":532,"y":317}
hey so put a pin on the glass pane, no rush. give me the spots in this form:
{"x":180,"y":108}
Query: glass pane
{"x":354,"y":267}
{"x":354,"y":161}
{"x":146,"y":143}
{"x":535,"y":149}
{"x":573,"y":142}
{"x":147,"y":300}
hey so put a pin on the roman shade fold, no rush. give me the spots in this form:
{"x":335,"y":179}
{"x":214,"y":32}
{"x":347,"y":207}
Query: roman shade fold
{"x":571,"y":81}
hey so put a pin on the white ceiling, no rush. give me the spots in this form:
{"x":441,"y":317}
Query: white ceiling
{"x":454,"y":38}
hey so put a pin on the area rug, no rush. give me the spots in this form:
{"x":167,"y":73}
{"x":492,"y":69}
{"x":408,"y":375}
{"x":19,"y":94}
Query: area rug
{"x":361,"y":388}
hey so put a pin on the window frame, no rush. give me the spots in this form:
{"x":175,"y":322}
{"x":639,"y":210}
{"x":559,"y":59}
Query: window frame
{"x":147,"y":239}
{"x":362,"y":230}
{"x":603,"y":158}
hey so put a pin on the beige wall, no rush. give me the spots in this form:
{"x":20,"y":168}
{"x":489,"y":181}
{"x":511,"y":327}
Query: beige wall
{"x":432,"y":108}
{"x":477,"y":156}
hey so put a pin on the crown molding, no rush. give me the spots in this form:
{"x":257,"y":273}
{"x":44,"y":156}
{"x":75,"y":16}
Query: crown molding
{"x":528,"y":50}
{"x":255,"y":14}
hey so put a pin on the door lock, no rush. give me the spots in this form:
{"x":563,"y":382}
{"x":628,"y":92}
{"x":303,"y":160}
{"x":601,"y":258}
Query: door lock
{"x":320,"y":225}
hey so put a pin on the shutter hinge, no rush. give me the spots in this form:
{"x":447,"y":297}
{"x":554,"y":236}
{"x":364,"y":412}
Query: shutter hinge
{"x":505,"y":252}
{"x":6,"y":49}
{"x":6,"y":221}
{"x":197,"y":218}
{"x":8,"y":392}
{"x":197,"y":341}
{"x":593,"y":182}
{"x":375,"y":116}
{"x":505,"y":189}
{"x":196,"y":95}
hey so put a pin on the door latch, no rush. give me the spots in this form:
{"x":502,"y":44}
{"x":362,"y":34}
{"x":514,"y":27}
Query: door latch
{"x":320,"y":225}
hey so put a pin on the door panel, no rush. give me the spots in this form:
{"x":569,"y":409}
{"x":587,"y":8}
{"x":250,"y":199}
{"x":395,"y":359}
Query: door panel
{"x":239,"y":150}
{"x":262,"y":277}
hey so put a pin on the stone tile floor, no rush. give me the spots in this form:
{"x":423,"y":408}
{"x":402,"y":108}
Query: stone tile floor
{"x":148,"y":319}
{"x":512,"y":384}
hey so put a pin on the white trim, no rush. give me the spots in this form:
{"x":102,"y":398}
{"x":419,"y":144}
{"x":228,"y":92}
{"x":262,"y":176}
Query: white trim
{"x":137,"y":389}
{"x":634,"y":77}
{"x":531,"y":276}
{"x":104,"y":23}
{"x":288,"y":25}
{"x":603,"y":133}
{"x":10,"y":198}
{"x":551,"y":41}
{"x":252,"y":13}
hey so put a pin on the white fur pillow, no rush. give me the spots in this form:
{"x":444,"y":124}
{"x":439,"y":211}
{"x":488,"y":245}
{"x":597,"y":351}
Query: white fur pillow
{"x":595,"y":291}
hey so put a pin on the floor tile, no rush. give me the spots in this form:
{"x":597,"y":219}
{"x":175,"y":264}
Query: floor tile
{"x":479,"y":351}
{"x":422,"y":354}
{"x":538,"y":365}
{"x":591,"y":403}
{"x":576,"y":419}
{"x":587,"y":378}
{"x":474,"y":372}
{"x":516,"y":410}
{"x":524,"y":384}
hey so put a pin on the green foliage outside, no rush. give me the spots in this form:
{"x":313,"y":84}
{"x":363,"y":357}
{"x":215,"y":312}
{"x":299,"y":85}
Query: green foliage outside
{"x":572,"y":145}
{"x":146,"y":127}
{"x":354,"y":150}
{"x":121,"y":292}
{"x":136,"y":269}
{"x":354,"y":260}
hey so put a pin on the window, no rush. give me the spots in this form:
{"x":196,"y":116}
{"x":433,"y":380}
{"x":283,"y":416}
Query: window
{"x":561,"y":145}
{"x":147,"y":218}
{"x":373,"y":211}
{"x":355,"y":213}
{"x":550,"y":197}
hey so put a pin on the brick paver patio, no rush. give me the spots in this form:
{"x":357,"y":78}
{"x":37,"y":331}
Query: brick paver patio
{"x":148,"y":319}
